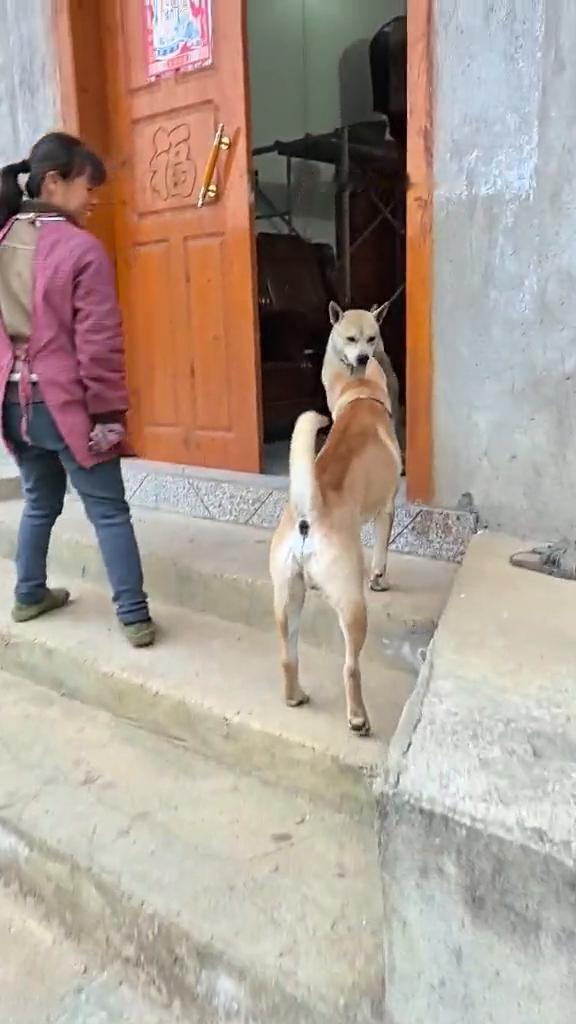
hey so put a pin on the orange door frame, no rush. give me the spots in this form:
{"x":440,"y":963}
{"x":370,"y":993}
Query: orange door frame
{"x":419,"y":262}
{"x":64,"y":45}
{"x":419,"y":226}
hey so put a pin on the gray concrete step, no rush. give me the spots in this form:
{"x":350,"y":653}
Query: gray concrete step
{"x":46,"y":979}
{"x":222,"y":569}
{"x":10,"y":487}
{"x":215,"y":686}
{"x":477,"y":812}
{"x":237,"y":900}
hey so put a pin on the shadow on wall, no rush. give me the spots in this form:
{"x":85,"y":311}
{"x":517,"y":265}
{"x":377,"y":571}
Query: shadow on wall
{"x":312,"y":192}
{"x":313,"y":187}
{"x":355,"y":83}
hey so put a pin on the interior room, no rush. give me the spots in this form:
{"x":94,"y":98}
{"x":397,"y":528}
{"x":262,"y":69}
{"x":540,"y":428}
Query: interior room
{"x":328,"y":98}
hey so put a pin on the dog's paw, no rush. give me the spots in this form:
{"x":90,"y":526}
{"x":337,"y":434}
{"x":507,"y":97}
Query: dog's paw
{"x":359,"y":725}
{"x":379,"y":583}
{"x":298,"y":700}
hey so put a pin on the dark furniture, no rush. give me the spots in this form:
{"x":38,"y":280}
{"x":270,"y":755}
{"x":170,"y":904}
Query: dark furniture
{"x":293,"y":297}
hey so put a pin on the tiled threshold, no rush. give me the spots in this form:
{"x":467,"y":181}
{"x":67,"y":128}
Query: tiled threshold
{"x":254,"y":500}
{"x":258,"y":500}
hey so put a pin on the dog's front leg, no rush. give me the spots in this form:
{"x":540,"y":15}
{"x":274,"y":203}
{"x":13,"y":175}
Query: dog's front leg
{"x":382,"y":530}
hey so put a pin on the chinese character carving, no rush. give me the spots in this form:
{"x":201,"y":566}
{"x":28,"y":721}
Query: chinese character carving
{"x":172,"y":169}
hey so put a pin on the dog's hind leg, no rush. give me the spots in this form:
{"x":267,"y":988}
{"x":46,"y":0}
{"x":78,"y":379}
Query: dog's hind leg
{"x":289,"y":594}
{"x":382,"y":530}
{"x":353,"y":623}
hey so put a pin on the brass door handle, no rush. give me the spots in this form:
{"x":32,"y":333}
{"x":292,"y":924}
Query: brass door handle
{"x":209,"y":188}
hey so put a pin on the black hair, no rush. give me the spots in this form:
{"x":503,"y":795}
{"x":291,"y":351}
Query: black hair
{"x":57,"y":151}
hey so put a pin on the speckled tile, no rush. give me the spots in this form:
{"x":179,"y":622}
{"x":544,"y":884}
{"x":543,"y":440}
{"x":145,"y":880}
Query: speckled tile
{"x":133,"y":480}
{"x":418,"y":530}
{"x":268,"y":514}
{"x":368,"y":535}
{"x":8,"y":466}
{"x":230,"y":503}
{"x":172,"y":493}
{"x":435,"y":533}
{"x":431,"y":533}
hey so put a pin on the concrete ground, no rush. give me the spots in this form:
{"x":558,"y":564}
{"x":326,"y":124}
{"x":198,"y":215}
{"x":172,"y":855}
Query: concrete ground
{"x":248,"y":903}
{"x":45,"y":979}
{"x":168,"y":809}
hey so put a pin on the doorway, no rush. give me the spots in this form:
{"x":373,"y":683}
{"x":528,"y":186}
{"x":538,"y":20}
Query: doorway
{"x":329,"y":114}
{"x":197,"y":393}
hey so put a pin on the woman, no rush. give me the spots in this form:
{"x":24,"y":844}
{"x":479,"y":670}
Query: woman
{"x":62,"y":378}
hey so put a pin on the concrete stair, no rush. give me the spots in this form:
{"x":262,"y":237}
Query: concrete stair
{"x":237,"y":900}
{"x":168,"y":809}
{"x":46,"y":979}
{"x":222,"y":569}
{"x":477,"y":807}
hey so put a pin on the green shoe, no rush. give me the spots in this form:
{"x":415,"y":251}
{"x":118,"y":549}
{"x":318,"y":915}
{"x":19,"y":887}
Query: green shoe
{"x":139,"y":634}
{"x":51,"y":602}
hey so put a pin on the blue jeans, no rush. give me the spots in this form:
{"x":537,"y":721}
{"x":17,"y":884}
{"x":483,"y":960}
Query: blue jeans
{"x":44,"y":464}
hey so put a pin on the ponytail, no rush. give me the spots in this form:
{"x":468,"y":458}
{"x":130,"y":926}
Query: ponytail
{"x":67,"y":156}
{"x":11,"y":195}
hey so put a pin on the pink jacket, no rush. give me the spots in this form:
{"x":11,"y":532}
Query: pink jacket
{"x":75,"y":347}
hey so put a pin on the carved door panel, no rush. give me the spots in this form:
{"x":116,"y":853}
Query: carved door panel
{"x":186,"y":275}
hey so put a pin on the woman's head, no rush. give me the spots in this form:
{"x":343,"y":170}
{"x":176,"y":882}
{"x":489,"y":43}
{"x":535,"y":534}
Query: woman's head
{"x":61,"y":171}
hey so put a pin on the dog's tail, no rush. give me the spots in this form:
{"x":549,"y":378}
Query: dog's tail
{"x":303,"y":483}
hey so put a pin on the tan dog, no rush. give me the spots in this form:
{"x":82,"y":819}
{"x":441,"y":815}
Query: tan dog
{"x":354,"y":338}
{"x":353,"y":480}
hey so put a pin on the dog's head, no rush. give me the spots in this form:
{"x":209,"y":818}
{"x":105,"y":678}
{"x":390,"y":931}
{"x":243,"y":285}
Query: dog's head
{"x":355,"y":335}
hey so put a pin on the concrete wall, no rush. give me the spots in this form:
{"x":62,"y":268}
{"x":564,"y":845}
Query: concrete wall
{"x":28,"y":84}
{"x":505,"y":261}
{"x":309,"y":72}
{"x":476,"y":809}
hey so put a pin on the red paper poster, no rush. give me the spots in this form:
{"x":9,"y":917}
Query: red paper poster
{"x":178,"y":35}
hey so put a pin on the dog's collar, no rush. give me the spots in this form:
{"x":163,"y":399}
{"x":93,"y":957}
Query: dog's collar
{"x":371,"y":398}
{"x":348,"y":399}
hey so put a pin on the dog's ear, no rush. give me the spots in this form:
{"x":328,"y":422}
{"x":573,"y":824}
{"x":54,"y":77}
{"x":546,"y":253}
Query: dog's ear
{"x":335,"y":313}
{"x":379,"y":312}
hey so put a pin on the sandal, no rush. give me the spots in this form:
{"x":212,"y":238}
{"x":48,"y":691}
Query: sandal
{"x":556,"y":560}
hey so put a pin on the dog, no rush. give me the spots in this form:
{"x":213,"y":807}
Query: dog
{"x":354,"y":338}
{"x":317,"y":544}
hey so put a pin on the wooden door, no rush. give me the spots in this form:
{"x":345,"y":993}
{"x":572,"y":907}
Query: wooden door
{"x":186,"y":275}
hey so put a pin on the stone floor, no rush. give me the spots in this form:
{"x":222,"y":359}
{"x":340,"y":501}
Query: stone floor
{"x":45,"y":979}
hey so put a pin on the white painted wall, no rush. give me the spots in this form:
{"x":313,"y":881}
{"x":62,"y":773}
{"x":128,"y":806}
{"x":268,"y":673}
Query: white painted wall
{"x":310,"y":72}
{"x":28,"y":84}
